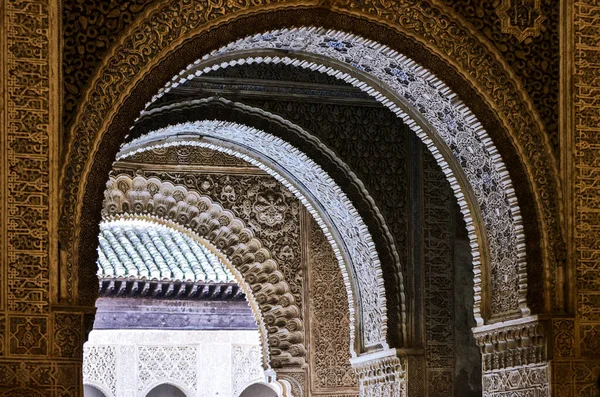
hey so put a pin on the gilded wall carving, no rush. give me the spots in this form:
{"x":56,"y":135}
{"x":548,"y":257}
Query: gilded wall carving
{"x":28,"y":114}
{"x":28,"y":151}
{"x":581,"y":368}
{"x":329,"y":321}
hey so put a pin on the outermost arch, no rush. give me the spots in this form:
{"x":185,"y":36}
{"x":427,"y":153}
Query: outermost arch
{"x":114,"y":96}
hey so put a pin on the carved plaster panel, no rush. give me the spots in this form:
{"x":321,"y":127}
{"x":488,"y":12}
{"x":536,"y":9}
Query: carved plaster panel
{"x":329,"y":321}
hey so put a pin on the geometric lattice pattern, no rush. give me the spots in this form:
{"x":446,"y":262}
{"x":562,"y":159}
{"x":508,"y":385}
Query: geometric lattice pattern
{"x":162,"y":363}
{"x":99,"y":367}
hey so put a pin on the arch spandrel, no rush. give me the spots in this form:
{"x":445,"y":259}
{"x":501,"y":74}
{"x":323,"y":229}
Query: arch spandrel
{"x":102,"y":103}
{"x":162,"y":202}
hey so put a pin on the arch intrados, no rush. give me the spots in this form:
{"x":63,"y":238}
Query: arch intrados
{"x":100,"y":387}
{"x":78,"y":172}
{"x":253,"y":145}
{"x":462,"y":180}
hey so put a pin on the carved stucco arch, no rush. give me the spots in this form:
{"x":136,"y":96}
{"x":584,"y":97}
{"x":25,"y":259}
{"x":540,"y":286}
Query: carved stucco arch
{"x":453,"y":135}
{"x":326,"y":202}
{"x":169,"y":34}
{"x":267,"y":124}
{"x":249,"y":261}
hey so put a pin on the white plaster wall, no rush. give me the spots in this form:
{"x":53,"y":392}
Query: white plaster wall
{"x":129,"y":363}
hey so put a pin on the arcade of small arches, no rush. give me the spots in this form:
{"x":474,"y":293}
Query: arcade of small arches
{"x":301,"y":212}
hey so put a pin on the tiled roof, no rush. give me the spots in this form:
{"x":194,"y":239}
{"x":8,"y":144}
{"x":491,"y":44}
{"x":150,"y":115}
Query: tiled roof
{"x":145,"y":250}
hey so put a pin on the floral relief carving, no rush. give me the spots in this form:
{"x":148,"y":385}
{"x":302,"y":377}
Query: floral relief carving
{"x":67,"y":335}
{"x":270,"y":207}
{"x":329,"y":322}
{"x":280,"y":310}
{"x":564,"y":338}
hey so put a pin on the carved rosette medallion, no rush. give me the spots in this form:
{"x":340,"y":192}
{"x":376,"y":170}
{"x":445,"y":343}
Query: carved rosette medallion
{"x":521,"y":18}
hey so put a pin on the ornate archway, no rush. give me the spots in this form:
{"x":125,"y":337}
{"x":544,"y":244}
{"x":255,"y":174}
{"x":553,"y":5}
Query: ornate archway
{"x":101,"y":110}
{"x":326,"y":202}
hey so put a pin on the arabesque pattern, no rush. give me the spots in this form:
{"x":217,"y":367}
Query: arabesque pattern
{"x":449,"y":121}
{"x":201,"y":216}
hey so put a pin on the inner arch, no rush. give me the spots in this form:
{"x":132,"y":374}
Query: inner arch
{"x":336,"y":215}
